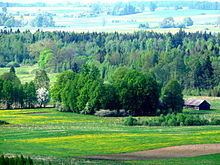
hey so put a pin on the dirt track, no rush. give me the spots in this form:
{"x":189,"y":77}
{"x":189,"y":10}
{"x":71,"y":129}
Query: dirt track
{"x":168,"y":152}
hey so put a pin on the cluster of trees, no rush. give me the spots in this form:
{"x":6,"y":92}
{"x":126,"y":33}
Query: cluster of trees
{"x":191,"y":58}
{"x":206,"y":5}
{"x":8,"y":20}
{"x":133,"y":7}
{"x":136,"y":92}
{"x":169,"y":22}
{"x":123,"y":9}
{"x":14,"y":94}
{"x":43,"y":20}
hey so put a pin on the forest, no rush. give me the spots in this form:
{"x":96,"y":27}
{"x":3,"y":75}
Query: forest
{"x":190,"y":58}
{"x":111,"y":70}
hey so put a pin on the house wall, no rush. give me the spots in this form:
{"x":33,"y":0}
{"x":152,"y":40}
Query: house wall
{"x":204,"y":107}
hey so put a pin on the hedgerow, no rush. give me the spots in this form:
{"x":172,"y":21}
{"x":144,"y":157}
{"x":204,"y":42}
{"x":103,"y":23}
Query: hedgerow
{"x":173,"y":120}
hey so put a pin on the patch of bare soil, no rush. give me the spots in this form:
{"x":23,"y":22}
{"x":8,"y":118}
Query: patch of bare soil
{"x":168,"y":152}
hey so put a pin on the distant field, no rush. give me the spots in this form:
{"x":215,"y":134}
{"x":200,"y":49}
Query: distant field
{"x":27,"y":73}
{"x":49,"y":133}
{"x":67,"y":19}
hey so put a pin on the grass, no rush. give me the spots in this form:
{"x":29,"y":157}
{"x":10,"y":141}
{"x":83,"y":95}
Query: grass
{"x":49,"y":133}
{"x":200,"y":160}
{"x":27,"y":73}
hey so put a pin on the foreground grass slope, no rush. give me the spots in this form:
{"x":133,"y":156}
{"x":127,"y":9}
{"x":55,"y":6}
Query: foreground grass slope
{"x":47,"y":132}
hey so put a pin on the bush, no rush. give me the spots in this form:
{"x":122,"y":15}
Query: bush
{"x":154,"y":122}
{"x":215,"y":121}
{"x":178,"y":120}
{"x":130,"y":121}
{"x":3,"y":122}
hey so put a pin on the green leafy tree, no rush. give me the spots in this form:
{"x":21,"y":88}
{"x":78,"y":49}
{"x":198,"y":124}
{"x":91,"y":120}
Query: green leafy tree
{"x":7,"y":92}
{"x":45,"y":58}
{"x":109,"y":98}
{"x":30,"y":97}
{"x":172,"y":97}
{"x":41,"y":79}
{"x":60,"y":83}
{"x":69,"y":94}
{"x":11,"y":89}
{"x":138,"y":92}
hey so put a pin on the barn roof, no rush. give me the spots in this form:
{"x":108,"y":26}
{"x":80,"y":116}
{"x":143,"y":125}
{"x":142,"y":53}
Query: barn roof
{"x":195,"y":102}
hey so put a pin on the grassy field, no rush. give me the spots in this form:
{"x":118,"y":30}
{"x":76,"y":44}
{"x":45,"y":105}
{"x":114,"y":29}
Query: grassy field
{"x":49,"y":133}
{"x":27,"y":73}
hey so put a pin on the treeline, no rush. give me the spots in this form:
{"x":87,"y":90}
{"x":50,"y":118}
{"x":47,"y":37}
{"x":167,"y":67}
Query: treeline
{"x":191,"y":58}
{"x":137,"y":93}
{"x":14,"y":94}
{"x":179,"y":119}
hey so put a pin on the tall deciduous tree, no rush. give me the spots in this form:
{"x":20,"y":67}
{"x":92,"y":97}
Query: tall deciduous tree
{"x":138,"y":92}
{"x":41,"y":79}
{"x":11,"y":89}
{"x":172,"y":97}
{"x":30,"y":95}
{"x":60,"y":83}
{"x":43,"y":96}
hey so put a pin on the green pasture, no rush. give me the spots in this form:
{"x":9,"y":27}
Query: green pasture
{"x":49,"y":133}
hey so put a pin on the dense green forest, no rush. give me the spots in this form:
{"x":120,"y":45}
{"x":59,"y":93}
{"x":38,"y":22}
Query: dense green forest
{"x":191,"y":58}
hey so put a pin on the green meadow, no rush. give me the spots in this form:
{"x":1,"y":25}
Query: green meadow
{"x":49,"y":133}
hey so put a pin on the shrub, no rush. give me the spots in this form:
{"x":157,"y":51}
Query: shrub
{"x":3,"y":122}
{"x":172,"y":122}
{"x":215,"y":121}
{"x":130,"y":121}
{"x":154,"y":122}
{"x":179,"y":120}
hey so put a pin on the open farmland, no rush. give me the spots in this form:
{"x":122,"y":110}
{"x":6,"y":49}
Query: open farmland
{"x":47,"y":133}
{"x":67,"y":19}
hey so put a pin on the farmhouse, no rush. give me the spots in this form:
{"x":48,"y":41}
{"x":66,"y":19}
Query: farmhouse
{"x":197,"y":104}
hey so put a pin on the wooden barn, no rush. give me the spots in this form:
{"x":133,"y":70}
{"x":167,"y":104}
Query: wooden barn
{"x":197,"y":104}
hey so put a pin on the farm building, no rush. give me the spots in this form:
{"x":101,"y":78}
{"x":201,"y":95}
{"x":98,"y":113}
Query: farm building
{"x":197,"y":104}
